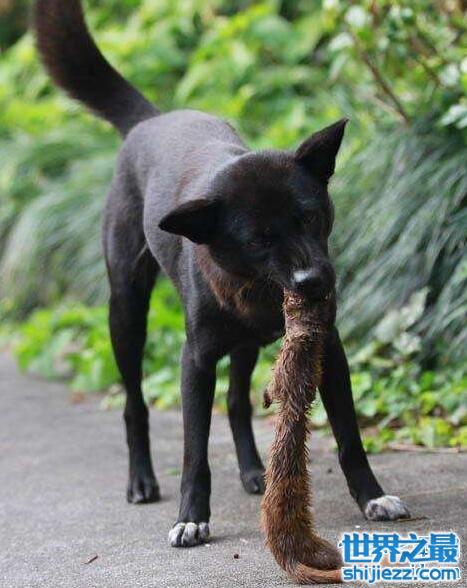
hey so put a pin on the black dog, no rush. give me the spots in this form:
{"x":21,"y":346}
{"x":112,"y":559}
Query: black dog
{"x":231,"y":228}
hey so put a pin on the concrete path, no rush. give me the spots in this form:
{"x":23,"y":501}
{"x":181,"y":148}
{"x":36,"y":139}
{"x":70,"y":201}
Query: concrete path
{"x":62,"y":498}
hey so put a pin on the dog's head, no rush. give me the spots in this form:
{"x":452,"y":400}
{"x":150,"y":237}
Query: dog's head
{"x":268,"y":215}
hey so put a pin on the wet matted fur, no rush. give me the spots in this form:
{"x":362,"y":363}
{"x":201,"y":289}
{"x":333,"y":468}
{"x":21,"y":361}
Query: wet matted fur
{"x":286,"y":517}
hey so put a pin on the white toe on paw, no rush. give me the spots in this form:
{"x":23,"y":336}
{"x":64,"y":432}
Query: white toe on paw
{"x":175,"y":534}
{"x":386,"y":508}
{"x":203,"y":529}
{"x":188,"y":534}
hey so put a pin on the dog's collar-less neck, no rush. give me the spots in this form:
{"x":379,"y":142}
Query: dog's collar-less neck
{"x":229,"y":289}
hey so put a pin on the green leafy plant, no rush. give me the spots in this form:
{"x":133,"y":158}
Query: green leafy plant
{"x":412,"y":53}
{"x":392,"y":390}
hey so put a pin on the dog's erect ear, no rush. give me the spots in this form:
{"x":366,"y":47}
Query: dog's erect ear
{"x":197,"y":220}
{"x":318,"y":153}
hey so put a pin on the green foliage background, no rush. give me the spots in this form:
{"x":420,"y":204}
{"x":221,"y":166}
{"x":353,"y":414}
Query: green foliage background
{"x":278,"y":70}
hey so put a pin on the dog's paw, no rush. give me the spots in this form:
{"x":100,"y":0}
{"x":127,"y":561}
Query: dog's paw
{"x":386,"y":508}
{"x":142,"y":489}
{"x":253,"y":481}
{"x":188,"y":534}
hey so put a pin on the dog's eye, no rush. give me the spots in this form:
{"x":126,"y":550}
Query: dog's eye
{"x":260,"y":243}
{"x":264,"y":241}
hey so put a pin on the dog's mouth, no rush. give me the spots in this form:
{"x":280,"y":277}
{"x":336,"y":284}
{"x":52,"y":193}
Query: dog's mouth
{"x":313,"y":285}
{"x":312,"y":297}
{"x":309,"y":294}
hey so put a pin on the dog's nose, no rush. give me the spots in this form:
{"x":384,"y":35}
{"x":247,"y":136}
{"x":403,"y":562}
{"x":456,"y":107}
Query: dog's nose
{"x":310,"y":281}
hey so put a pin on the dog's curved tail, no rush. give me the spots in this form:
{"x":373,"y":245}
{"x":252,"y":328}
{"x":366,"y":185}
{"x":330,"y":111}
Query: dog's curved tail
{"x":75,"y":64}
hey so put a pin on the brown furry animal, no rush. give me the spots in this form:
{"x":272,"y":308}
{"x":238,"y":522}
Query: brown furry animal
{"x":286,"y":517}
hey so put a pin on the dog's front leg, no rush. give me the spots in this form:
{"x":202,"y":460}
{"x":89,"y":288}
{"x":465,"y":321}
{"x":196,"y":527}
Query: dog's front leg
{"x":198,"y":383}
{"x":336,"y":393}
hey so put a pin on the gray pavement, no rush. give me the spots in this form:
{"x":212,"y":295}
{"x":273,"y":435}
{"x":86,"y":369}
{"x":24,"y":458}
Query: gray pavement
{"x":62,"y":498}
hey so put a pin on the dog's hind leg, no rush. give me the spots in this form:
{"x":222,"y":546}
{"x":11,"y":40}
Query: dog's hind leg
{"x":336,"y":393}
{"x":242,"y":363}
{"x":132,"y":273}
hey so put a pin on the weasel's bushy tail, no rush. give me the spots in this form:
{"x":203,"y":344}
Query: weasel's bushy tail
{"x":288,"y":525}
{"x":76,"y":65}
{"x":286,"y":517}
